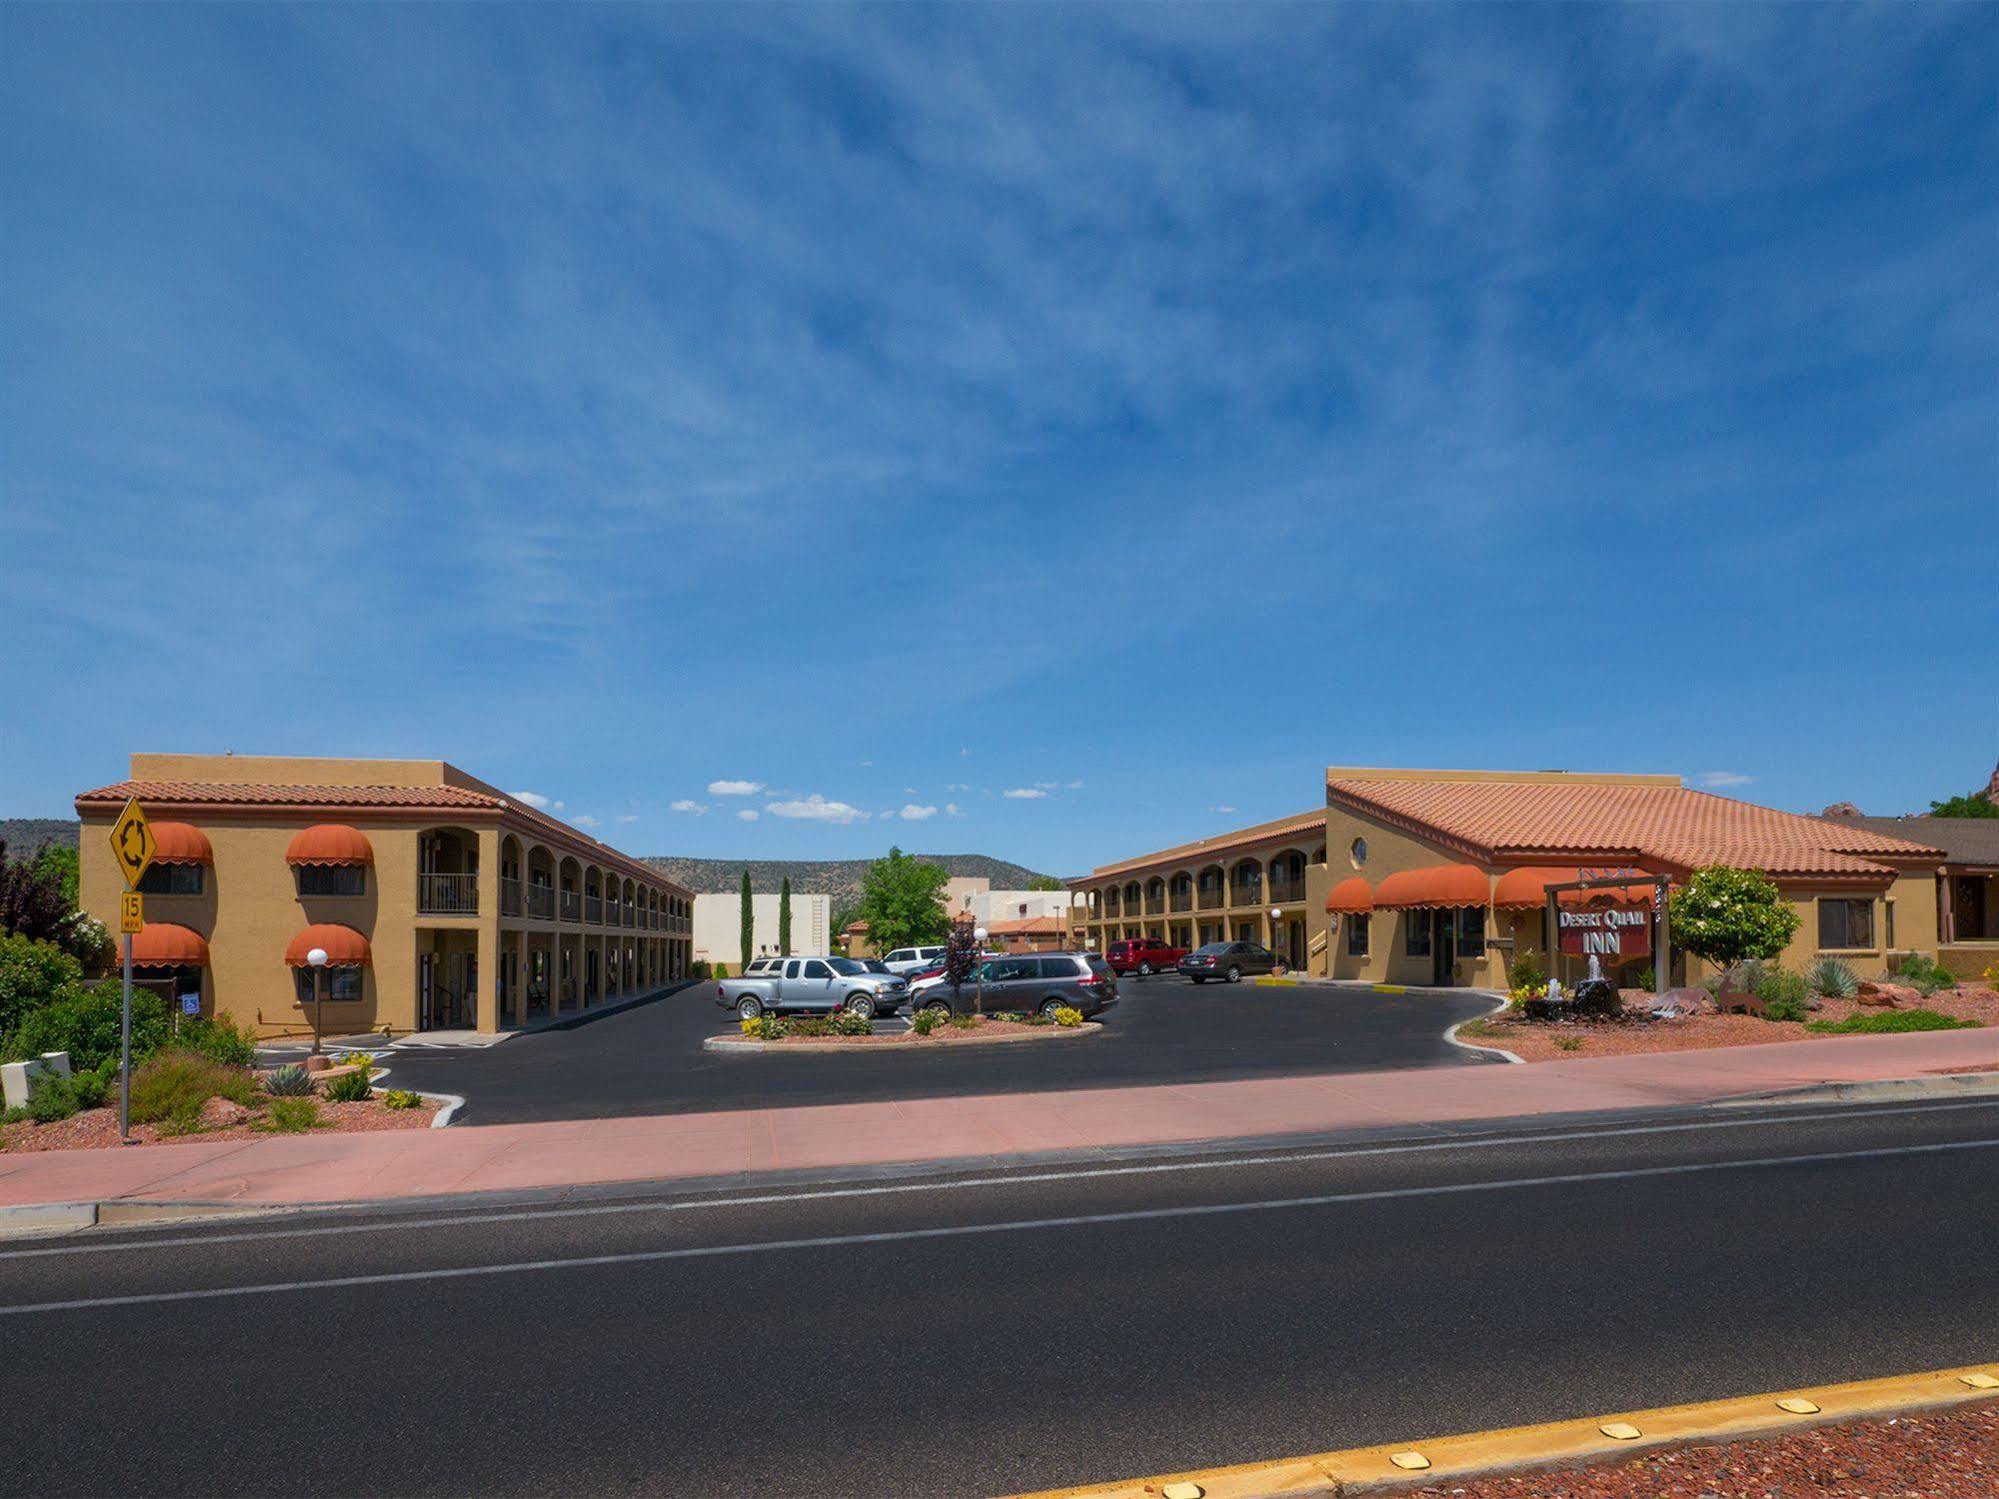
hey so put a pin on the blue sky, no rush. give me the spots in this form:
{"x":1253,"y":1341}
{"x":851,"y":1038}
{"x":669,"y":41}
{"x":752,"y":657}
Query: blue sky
{"x":894,"y":409}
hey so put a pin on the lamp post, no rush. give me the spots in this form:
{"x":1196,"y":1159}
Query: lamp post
{"x":1276,"y":915}
{"x":316,"y":959}
{"x":979,"y":938}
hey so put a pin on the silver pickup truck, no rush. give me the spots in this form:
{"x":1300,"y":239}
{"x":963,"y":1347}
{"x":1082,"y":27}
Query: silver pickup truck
{"x":814,"y":984}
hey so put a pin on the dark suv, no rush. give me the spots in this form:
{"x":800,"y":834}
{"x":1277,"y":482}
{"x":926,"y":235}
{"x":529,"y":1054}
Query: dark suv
{"x":1028,"y":981}
{"x":1227,"y":960}
{"x":1145,"y":955}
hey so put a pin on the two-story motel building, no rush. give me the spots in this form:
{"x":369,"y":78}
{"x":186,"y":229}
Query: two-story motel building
{"x":1442,"y":876}
{"x":439,"y":900}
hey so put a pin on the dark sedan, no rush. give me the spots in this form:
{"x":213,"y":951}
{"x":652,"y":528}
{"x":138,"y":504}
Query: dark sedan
{"x":1228,"y":961}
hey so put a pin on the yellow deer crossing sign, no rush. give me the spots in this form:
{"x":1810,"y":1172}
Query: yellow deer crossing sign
{"x":132,"y":844}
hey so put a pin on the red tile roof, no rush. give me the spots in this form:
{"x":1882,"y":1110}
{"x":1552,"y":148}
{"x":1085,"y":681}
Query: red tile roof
{"x":1672,"y":826}
{"x":1303,"y":822}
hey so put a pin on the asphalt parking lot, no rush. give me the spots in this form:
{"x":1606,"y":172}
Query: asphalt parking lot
{"x":648,"y":1060}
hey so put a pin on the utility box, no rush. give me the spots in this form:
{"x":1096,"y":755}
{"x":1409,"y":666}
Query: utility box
{"x":18,"y":1080}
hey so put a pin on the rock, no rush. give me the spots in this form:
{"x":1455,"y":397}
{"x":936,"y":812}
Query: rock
{"x":1887,"y":996}
{"x":318,"y":1063}
{"x":220,"y":1113}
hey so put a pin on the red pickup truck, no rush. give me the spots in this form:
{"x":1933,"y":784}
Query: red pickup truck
{"x":1143,"y":955}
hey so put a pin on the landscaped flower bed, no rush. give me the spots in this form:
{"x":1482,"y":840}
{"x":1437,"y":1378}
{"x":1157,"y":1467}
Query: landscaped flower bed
{"x":927,"y":1029}
{"x":1534,"y":1041}
{"x":182,"y":1094}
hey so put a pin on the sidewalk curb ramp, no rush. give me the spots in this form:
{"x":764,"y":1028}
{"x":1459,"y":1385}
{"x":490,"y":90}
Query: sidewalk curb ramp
{"x":1557,"y":1444}
{"x":1882,"y":1090}
{"x":37,"y":1219}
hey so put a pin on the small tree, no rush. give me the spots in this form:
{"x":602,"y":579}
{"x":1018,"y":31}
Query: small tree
{"x":1728,"y":915}
{"x":1045,"y":882}
{"x":1978,"y":804}
{"x":784,"y":917}
{"x":902,"y":902}
{"x":749,"y":930}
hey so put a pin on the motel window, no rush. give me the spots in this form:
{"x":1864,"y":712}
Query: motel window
{"x":1416,"y":933}
{"x":1471,"y":932}
{"x":1846,"y":924}
{"x":1357,"y":936}
{"x":171,"y":879}
{"x":1888,"y":923}
{"x":342,"y":983}
{"x":332,"y":879}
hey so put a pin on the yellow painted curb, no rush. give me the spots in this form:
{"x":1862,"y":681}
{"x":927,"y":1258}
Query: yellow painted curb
{"x":1271,"y":978}
{"x":1360,"y":1470}
{"x":1391,"y":988}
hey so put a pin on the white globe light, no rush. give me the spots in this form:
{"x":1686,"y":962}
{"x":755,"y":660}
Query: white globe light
{"x":979,"y":934}
{"x":317,"y":957}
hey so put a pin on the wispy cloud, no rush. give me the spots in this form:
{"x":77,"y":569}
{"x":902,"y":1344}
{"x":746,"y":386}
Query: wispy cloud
{"x":688,"y":804}
{"x":627,"y":817}
{"x":531,"y":798}
{"x":585,"y":820}
{"x":816,"y":808}
{"x":951,"y":810}
{"x":1024,"y":793}
{"x":1720,"y":779}
{"x":914,"y":813}
{"x":1224,"y":811}
{"x":747,"y":814}
{"x":734,"y":788}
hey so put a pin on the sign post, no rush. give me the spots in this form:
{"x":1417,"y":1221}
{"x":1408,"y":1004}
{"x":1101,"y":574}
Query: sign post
{"x":132,"y":849}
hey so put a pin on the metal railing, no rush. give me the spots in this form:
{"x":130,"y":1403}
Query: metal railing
{"x":510,"y":897}
{"x":541,"y":901}
{"x":572,"y":905}
{"x":447,"y":894}
{"x":1246,"y":895}
{"x":1287,"y":892}
{"x":1211,"y":899}
{"x":1180,"y":900}
{"x":593,"y":909}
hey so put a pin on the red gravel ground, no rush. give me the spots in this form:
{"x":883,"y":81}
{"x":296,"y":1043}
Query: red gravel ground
{"x":1941,"y":1455}
{"x":90,"y":1129}
{"x":1536,"y":1042}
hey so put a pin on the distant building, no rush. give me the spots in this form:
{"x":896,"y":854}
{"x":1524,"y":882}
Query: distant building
{"x":718,"y":926}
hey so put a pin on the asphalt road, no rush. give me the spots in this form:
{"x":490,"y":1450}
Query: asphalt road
{"x":649,"y":1060}
{"x":962,"y":1335}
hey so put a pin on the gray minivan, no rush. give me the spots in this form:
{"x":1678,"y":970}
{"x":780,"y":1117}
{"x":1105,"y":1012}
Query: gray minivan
{"x":1043,"y":981}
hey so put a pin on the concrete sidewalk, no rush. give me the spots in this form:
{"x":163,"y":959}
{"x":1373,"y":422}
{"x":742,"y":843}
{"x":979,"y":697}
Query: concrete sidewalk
{"x":292,"y":1169}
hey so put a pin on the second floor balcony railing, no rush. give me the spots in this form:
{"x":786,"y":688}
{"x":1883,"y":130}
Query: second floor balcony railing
{"x":1211,"y":897}
{"x":1246,"y":895}
{"x":447,"y":894}
{"x":1180,"y":900}
{"x":1287,"y":892}
{"x":1155,"y":905}
{"x":593,"y":909}
{"x":572,"y":905}
{"x":541,"y":901}
{"x":510,"y":897}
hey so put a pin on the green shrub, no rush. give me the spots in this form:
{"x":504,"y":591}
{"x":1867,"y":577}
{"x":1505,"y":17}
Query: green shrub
{"x":1889,"y":1022}
{"x":218,"y":1040}
{"x":966,"y":1022}
{"x":1647,"y":978}
{"x":53,"y":1098}
{"x":171,"y":1087}
{"x":400,"y":1098}
{"x":84,"y":1023}
{"x":1784,"y":995}
{"x":93,"y":1085}
{"x":700,"y":970}
{"x":846,"y":1023}
{"x":1569,"y":1043}
{"x":923,"y":1022}
{"x":719,"y":970}
{"x":1833,"y":978}
{"x":290,"y":1081}
{"x":1526,"y":972}
{"x":1924,"y":974}
{"x":291,"y":1116}
{"x":32,"y":974}
{"x":350,"y":1087}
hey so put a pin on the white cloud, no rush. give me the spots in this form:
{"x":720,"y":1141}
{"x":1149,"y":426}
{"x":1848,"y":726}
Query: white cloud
{"x":951,"y":810}
{"x":584,"y":820}
{"x":815,"y":808}
{"x":748,"y":814}
{"x":1223,"y":810}
{"x":1024,"y":793}
{"x":957,"y":786}
{"x":624,"y":817}
{"x":867,"y":765}
{"x":531,"y":798}
{"x":1723,"y":778}
{"x":914,"y":813}
{"x":688,"y":804}
{"x":1075,"y":786}
{"x":734,"y":788}
{"x":1047,"y":785}
{"x":909,"y":791}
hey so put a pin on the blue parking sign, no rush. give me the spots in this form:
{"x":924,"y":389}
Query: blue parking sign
{"x":190,"y":1004}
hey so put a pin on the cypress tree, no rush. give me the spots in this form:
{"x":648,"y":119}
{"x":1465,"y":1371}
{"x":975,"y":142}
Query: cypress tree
{"x":784,"y":917}
{"x":749,"y":923}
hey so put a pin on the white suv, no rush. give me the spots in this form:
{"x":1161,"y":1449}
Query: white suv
{"x":908,"y":960}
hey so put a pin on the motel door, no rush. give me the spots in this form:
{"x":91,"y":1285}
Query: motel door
{"x":424,"y":991}
{"x":1443,"y":947}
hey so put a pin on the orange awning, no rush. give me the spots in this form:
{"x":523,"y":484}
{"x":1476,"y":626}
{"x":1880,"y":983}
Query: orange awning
{"x":161,"y":944}
{"x":329,"y":843}
{"x":1438,"y":885}
{"x":1529,"y":887}
{"x":181,"y":843}
{"x":344,"y":946}
{"x":1352,"y":896}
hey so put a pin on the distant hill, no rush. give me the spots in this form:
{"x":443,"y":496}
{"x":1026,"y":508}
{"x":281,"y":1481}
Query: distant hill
{"x":23,"y":835}
{"x":839,"y":878}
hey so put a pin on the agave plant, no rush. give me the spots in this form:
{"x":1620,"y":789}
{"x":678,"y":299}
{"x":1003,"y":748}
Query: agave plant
{"x":289,"y":1081}
{"x":1833,"y":978}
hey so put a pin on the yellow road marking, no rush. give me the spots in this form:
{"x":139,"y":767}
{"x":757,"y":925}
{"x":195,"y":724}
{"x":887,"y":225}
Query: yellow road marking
{"x":1560,"y":1443}
{"x":1391,"y":988}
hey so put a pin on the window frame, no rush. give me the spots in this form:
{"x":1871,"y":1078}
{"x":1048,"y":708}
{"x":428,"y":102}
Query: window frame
{"x":158,"y":879}
{"x":357,"y":872}
{"x":1417,"y":919}
{"x":1846,"y":903}
{"x":1360,"y":925}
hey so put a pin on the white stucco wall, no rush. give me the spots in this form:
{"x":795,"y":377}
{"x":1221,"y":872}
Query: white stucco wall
{"x":718,"y":926}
